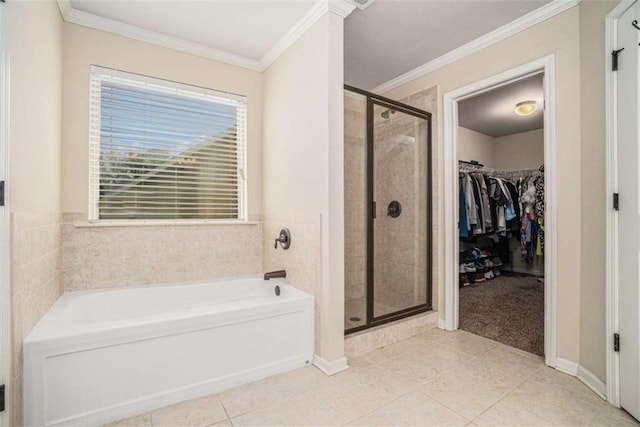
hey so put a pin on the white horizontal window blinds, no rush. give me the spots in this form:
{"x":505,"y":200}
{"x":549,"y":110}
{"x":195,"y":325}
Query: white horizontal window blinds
{"x":162,"y":150}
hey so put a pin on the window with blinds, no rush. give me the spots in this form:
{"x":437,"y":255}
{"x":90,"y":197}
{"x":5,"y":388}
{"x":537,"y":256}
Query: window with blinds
{"x":161,"y":150}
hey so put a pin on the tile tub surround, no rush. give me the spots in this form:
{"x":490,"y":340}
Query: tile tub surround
{"x":129,"y":256}
{"x":301,"y":260}
{"x":35,"y":284}
{"x":435,"y":378}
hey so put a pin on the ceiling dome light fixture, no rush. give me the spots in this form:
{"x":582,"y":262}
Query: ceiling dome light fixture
{"x":526,"y":108}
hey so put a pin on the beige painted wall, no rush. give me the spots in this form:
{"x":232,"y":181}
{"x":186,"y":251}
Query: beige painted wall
{"x":35,"y":50}
{"x":303,"y":141}
{"x":36,"y":98}
{"x":593,"y":185}
{"x":560,"y":36}
{"x":520,"y":151}
{"x":84,"y":47}
{"x":473,"y":145}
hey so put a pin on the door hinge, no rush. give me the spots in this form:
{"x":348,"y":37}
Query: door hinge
{"x":1,"y":193}
{"x":614,"y":59}
{"x":2,"y":398}
{"x":616,"y":342}
{"x":616,"y":201}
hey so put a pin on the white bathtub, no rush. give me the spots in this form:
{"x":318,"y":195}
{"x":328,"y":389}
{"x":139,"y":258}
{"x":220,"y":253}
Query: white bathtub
{"x":97,"y":356}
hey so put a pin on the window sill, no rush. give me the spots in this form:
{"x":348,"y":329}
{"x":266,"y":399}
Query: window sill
{"x":159,"y":223}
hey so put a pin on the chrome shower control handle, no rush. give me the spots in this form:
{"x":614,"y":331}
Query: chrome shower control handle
{"x":284,"y":239}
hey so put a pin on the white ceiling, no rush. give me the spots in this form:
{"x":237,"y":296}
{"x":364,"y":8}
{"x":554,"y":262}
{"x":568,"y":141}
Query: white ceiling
{"x":492,"y":113}
{"x":247,"y":28}
{"x":392,"y":37}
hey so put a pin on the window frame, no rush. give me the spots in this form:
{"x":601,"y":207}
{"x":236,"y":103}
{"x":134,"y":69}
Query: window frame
{"x":96,"y":76}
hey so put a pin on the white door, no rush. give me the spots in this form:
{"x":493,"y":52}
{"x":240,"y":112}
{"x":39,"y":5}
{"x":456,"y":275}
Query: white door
{"x":629,"y":213}
{"x":5,"y":292}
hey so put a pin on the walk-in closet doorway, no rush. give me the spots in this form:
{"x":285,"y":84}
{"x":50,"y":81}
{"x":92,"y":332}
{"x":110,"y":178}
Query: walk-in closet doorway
{"x":543,"y":70}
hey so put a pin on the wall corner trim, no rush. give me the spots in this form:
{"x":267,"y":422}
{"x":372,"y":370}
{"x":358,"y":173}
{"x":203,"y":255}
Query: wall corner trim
{"x":330,"y":367}
{"x":566,"y":366}
{"x":339,"y":7}
{"x":532,"y":18}
{"x":589,"y":379}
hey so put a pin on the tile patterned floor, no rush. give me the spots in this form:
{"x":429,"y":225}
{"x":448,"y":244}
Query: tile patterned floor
{"x":436,"y":378}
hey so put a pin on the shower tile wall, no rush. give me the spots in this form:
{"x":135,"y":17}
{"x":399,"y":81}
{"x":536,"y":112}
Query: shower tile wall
{"x":400,"y":254}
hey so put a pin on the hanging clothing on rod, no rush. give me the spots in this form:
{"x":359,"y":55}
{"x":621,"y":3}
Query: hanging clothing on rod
{"x":497,"y":202}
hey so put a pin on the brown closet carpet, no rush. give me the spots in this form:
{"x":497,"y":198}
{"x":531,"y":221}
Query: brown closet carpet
{"x":508,"y":309}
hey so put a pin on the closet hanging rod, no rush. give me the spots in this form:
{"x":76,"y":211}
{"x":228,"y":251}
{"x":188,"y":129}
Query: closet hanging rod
{"x":511,"y":174}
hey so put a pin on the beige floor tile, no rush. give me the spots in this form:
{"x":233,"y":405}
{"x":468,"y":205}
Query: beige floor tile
{"x":495,"y":374}
{"x":192,"y":413}
{"x":225,"y":423}
{"x":465,"y":394}
{"x":556,"y":404}
{"x":386,"y":353}
{"x":554,"y":378}
{"x":143,"y":420}
{"x":360,"y":361}
{"x":512,"y":360}
{"x":420,"y":367}
{"x":381,"y":385}
{"x":340,"y":407}
{"x":609,"y":416}
{"x":280,"y":415}
{"x":375,"y":419}
{"x":413,"y":371}
{"x":468,"y":343}
{"x":509,"y":413}
{"x":414,"y":409}
{"x":424,"y":341}
{"x":271,"y":391}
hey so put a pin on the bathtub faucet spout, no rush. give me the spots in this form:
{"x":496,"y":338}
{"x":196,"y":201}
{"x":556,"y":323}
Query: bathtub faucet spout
{"x":275,"y":274}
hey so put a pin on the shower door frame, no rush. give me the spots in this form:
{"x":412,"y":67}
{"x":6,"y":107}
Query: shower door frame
{"x":371,"y":320}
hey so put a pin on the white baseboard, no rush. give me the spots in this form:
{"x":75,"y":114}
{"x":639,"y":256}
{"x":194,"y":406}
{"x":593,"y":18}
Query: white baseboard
{"x":566,"y":366}
{"x":330,"y":368}
{"x":441,"y":324}
{"x":593,"y":382}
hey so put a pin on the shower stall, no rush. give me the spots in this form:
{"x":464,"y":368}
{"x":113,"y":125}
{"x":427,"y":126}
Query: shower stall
{"x":388,"y":223}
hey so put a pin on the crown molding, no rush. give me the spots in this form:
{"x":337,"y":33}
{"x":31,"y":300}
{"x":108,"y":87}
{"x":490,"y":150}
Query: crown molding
{"x":532,"y":18}
{"x":339,"y":7}
{"x":342,"y":8}
{"x":131,"y":31}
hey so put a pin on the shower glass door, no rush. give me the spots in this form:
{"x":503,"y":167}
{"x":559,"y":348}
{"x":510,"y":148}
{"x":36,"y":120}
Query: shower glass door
{"x":399,"y":222}
{"x":387,"y":200}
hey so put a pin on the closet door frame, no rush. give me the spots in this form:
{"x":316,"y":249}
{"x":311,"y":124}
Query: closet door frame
{"x":544,"y":65}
